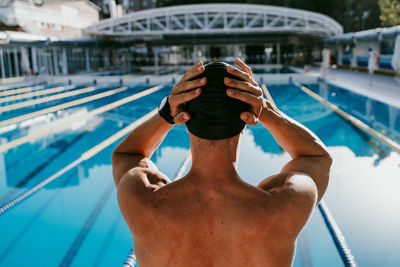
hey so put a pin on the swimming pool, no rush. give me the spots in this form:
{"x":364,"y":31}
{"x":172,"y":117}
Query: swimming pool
{"x":75,"y":220}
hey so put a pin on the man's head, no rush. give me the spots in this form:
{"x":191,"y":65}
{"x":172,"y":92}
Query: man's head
{"x":214,"y":115}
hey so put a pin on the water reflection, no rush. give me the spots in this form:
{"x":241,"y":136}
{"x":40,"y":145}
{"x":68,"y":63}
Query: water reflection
{"x":362,"y":196}
{"x":380,"y":116}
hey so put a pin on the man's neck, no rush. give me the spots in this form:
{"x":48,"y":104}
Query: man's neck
{"x":214,"y":162}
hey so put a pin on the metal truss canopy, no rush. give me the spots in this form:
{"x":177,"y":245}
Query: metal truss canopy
{"x":213,"y":19}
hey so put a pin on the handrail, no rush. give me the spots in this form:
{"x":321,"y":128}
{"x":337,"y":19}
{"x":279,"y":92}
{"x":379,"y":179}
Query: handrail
{"x":130,"y":260}
{"x":67,"y":122}
{"x":85,"y":156}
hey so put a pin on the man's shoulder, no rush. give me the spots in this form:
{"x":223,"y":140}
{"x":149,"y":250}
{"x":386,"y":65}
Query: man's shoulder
{"x":295,"y":196}
{"x":138,"y":188}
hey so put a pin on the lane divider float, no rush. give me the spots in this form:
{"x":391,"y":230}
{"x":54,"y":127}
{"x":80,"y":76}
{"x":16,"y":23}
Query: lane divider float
{"x":353,"y":120}
{"x":16,"y":91}
{"x":46,"y":99}
{"x":61,"y":106}
{"x":35,"y":93}
{"x":67,"y":122}
{"x":85,"y":156}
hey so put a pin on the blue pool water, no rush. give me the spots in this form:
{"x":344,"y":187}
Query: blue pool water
{"x":75,"y":220}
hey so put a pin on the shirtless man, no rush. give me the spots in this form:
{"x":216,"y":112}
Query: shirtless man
{"x":211,"y":217}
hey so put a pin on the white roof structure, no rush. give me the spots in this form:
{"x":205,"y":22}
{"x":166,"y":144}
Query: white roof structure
{"x":214,"y":19}
{"x":372,"y":34}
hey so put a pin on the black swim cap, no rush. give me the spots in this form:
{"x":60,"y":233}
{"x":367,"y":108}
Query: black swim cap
{"x":213,"y":114}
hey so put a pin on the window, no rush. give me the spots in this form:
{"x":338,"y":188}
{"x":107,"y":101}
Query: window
{"x":387,"y":47}
{"x":57,"y":27}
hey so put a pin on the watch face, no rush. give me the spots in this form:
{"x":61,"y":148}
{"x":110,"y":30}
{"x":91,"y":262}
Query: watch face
{"x":162,"y":104}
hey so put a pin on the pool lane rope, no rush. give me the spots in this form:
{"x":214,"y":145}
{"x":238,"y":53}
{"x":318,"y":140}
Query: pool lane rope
{"x":36,"y":93}
{"x":67,"y":122}
{"x":267,"y":94}
{"x":336,"y":234}
{"x":7,"y":92}
{"x":354,"y":121}
{"x":85,"y":156}
{"x":47,"y":99}
{"x":62,"y":106}
{"x":130,"y":260}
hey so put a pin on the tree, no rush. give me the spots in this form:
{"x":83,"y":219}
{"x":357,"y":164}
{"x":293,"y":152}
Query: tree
{"x":390,"y":12}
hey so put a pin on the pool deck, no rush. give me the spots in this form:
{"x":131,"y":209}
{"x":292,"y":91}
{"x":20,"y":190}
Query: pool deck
{"x":383,"y":88}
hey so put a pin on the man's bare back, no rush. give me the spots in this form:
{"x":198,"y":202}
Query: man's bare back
{"x":236,"y":225}
{"x":211,"y":217}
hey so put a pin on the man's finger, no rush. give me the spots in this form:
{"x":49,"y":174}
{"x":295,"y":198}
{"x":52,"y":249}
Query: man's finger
{"x":176,"y":100}
{"x":241,"y":74}
{"x":191,"y":73}
{"x":188,"y":85}
{"x":245,"y":86}
{"x":198,"y":64}
{"x":249,"y":118}
{"x":244,"y":67}
{"x":181,"y":118}
{"x":244,"y":96}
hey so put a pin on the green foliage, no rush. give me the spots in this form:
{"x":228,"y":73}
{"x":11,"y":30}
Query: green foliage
{"x":390,"y":12}
{"x":353,"y":15}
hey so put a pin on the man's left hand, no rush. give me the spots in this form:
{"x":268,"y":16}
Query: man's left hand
{"x":247,"y":91}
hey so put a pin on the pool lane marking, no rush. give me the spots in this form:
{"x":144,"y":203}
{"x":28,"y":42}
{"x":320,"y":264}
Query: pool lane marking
{"x":87,"y":226}
{"x":108,"y":239}
{"x":337,"y":236}
{"x":85,"y":156}
{"x":35,"y":93}
{"x":16,"y":91}
{"x":35,"y":135}
{"x":130,"y":260}
{"x":356,"y":122}
{"x":46,"y":99}
{"x":62,"y":106}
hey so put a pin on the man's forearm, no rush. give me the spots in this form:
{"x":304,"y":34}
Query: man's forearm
{"x":293,"y":137}
{"x":146,"y":138}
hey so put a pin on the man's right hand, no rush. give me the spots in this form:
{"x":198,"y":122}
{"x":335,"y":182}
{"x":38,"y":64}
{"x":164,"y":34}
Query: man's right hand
{"x":183,"y":92}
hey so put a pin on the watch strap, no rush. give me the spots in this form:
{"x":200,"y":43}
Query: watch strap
{"x":165,"y":113}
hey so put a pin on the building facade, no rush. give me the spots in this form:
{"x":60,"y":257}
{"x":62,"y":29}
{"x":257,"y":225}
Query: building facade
{"x":351,"y":50}
{"x":50,"y":18}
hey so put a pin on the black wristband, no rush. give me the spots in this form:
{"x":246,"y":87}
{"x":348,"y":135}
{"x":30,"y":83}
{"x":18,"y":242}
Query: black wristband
{"x":165,"y":111}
